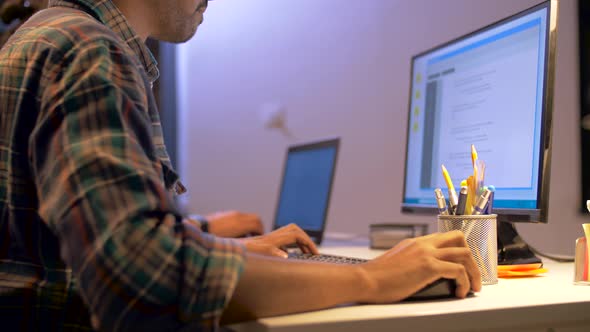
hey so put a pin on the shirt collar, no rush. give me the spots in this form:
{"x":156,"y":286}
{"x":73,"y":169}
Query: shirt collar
{"x":108,"y":14}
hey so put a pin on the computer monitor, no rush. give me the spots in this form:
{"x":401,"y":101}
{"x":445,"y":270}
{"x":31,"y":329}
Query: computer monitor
{"x":492,"y":88}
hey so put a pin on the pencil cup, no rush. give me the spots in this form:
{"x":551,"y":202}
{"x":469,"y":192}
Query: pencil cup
{"x":481,"y":235}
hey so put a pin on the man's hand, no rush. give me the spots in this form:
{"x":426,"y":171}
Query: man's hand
{"x":391,"y":277}
{"x":415,"y":263}
{"x":234,"y":224}
{"x":271,"y":244}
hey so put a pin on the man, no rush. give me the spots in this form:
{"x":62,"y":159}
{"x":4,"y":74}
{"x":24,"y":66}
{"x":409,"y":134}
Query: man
{"x":89,"y":234}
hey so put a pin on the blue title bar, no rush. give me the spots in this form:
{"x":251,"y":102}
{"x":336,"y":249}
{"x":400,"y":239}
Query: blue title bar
{"x":530,"y":24}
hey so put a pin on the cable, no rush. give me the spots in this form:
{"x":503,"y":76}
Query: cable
{"x":555,"y":257}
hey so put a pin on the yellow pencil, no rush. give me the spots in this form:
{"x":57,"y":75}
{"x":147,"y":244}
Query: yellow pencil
{"x":474,"y":163}
{"x":447,"y":178}
{"x":471,"y":197}
{"x":473,"y":155}
{"x":452,"y":193}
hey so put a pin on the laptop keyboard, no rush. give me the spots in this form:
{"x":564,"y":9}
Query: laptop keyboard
{"x":326,"y":258}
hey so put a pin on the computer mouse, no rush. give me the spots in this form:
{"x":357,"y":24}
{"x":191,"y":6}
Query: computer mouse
{"x":439,"y":289}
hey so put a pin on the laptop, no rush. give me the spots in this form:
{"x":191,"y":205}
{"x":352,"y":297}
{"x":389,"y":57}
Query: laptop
{"x":306,"y":186}
{"x":304,"y":196}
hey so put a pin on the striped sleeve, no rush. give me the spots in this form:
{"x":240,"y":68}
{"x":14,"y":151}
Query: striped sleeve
{"x":100,"y":185}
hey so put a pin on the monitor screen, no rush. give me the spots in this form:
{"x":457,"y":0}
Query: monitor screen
{"x":491,"y":88}
{"x":306,"y":185}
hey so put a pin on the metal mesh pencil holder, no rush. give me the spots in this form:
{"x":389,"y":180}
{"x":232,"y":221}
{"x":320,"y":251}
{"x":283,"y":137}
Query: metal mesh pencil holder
{"x":481,"y":235}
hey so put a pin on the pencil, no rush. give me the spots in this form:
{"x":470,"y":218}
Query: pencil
{"x":473,"y":155}
{"x":474,"y":164}
{"x":453,"y":200}
{"x":447,"y":178}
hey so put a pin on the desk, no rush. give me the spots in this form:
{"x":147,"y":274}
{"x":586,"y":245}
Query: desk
{"x":546,"y":303}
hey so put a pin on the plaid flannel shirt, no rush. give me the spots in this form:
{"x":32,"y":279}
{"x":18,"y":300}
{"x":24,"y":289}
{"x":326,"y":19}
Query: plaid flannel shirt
{"x":89,"y":232}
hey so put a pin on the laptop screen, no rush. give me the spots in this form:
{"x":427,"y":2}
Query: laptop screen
{"x":306,"y":185}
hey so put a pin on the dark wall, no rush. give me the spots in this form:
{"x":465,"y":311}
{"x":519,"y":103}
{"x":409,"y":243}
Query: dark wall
{"x":14,"y":12}
{"x":584,"y":36}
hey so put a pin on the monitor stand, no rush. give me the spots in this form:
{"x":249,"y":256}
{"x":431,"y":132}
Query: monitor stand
{"x":512,"y":250}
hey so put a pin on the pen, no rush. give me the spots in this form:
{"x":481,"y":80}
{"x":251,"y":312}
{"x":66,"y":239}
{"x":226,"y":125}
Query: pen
{"x":460,"y":210}
{"x":452,"y":193}
{"x":482,"y":201}
{"x":441,"y":202}
{"x":480,"y":165}
{"x":475,"y":170}
{"x":491,"y":199}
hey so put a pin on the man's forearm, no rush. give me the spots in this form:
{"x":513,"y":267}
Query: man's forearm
{"x":275,"y":286}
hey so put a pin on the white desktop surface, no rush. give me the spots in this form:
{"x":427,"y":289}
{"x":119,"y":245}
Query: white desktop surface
{"x":549,"y":302}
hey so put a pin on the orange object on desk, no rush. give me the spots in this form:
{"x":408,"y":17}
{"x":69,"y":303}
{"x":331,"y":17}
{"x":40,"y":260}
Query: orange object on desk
{"x":519,"y":271}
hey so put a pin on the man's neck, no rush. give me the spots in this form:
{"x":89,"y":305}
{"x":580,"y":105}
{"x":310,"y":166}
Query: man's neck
{"x":137,"y":15}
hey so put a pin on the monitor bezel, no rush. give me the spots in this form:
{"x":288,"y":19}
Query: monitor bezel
{"x":539,"y":214}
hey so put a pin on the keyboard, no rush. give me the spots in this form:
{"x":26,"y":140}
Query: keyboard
{"x":326,"y":258}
